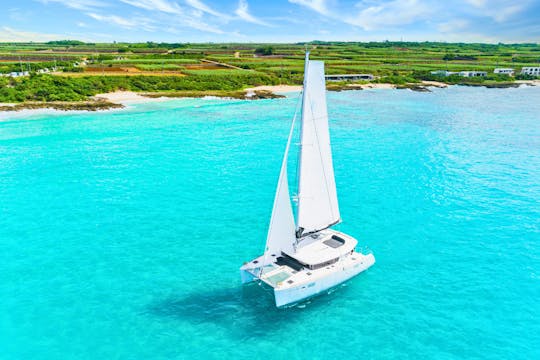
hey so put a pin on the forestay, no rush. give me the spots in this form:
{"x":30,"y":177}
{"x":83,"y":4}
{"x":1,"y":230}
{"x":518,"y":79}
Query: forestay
{"x":317,"y":198}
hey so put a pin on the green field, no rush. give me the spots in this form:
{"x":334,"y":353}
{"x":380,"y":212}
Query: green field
{"x":150,"y":61}
{"x":238,"y":65}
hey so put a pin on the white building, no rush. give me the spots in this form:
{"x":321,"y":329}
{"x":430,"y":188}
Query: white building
{"x":534,"y":71}
{"x":349,"y":77}
{"x":442,"y":73}
{"x":461,"y":73}
{"x":472,"y":73}
{"x":18,"y":73}
{"x":504,"y":71}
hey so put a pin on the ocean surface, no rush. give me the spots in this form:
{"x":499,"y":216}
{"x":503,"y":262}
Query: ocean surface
{"x":121,"y":232}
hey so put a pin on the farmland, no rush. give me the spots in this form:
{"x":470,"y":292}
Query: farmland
{"x":75,"y":71}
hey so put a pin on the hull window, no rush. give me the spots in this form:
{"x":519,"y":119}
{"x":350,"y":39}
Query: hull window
{"x":324,"y":264}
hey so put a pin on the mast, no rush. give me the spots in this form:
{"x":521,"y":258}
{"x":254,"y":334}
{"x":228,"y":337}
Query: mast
{"x":317,"y":197}
{"x":299,"y":230}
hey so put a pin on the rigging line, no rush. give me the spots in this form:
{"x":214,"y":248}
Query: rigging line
{"x":298,"y":154}
{"x":304,"y":235}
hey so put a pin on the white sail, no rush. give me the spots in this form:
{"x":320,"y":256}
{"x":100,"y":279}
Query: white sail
{"x":282,"y":228}
{"x":317,"y":197}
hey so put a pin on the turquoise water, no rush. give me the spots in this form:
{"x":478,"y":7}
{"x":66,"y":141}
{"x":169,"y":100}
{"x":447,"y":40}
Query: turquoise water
{"x":121,"y":233}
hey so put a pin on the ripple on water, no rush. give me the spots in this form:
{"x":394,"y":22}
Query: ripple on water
{"x":121,"y":233}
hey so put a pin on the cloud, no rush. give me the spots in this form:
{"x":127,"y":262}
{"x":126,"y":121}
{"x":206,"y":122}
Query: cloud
{"x":501,"y":20}
{"x":477,"y":3}
{"x":471,"y":37}
{"x":202,"y":26}
{"x":243,"y":13}
{"x":78,"y":4}
{"x":373,"y":14}
{"x":113,"y":19}
{"x":8,"y":34}
{"x":199,"y":5}
{"x":139,"y":22}
{"x":319,"y":6}
{"x":158,"y":5}
{"x":452,"y":25}
{"x":498,"y":10}
{"x":389,"y":14}
{"x":506,"y":12}
{"x":182,"y":18}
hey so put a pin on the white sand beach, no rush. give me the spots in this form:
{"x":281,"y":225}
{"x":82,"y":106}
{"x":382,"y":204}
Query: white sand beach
{"x":374,"y":86}
{"x":276,"y":88}
{"x":295,"y":88}
{"x":529,"y":82}
{"x":125,"y":97}
{"x":434,"y":83}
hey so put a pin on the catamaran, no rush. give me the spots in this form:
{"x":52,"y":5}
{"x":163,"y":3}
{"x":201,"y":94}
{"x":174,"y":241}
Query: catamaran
{"x":306,"y":257}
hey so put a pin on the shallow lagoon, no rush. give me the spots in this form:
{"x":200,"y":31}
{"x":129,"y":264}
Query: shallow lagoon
{"x":121,"y":232}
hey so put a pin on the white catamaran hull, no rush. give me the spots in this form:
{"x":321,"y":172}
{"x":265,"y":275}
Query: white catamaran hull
{"x":293,"y":281}
{"x":293,"y":295}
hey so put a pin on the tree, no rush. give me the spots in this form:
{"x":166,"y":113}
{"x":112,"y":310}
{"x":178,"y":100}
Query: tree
{"x":266,"y":50}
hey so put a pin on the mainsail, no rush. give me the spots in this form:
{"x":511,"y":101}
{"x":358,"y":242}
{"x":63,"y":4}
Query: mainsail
{"x":317,"y":197}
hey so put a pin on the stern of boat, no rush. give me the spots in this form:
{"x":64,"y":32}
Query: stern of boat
{"x":246,"y":276}
{"x":286,"y":295}
{"x":251,"y":271}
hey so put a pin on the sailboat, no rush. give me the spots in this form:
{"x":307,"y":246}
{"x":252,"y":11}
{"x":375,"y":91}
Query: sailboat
{"x":306,"y":257}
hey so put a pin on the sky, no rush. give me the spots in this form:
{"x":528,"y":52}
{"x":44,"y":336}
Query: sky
{"x":276,"y":21}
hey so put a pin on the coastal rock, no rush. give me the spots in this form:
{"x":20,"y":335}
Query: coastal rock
{"x":262,"y":94}
{"x":63,"y":105}
{"x":414,"y":87}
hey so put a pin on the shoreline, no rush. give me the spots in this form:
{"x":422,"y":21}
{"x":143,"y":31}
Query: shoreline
{"x":88,"y":105}
{"x":122,"y":99}
{"x":276,"y":89}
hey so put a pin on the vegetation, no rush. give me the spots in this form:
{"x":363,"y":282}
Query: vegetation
{"x":150,"y":60}
{"x":264,"y":50}
{"x":65,"y":42}
{"x":85,"y":69}
{"x":158,"y":67}
{"x":450,"y":57}
{"x":45,"y":87}
{"x":65,"y":106}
